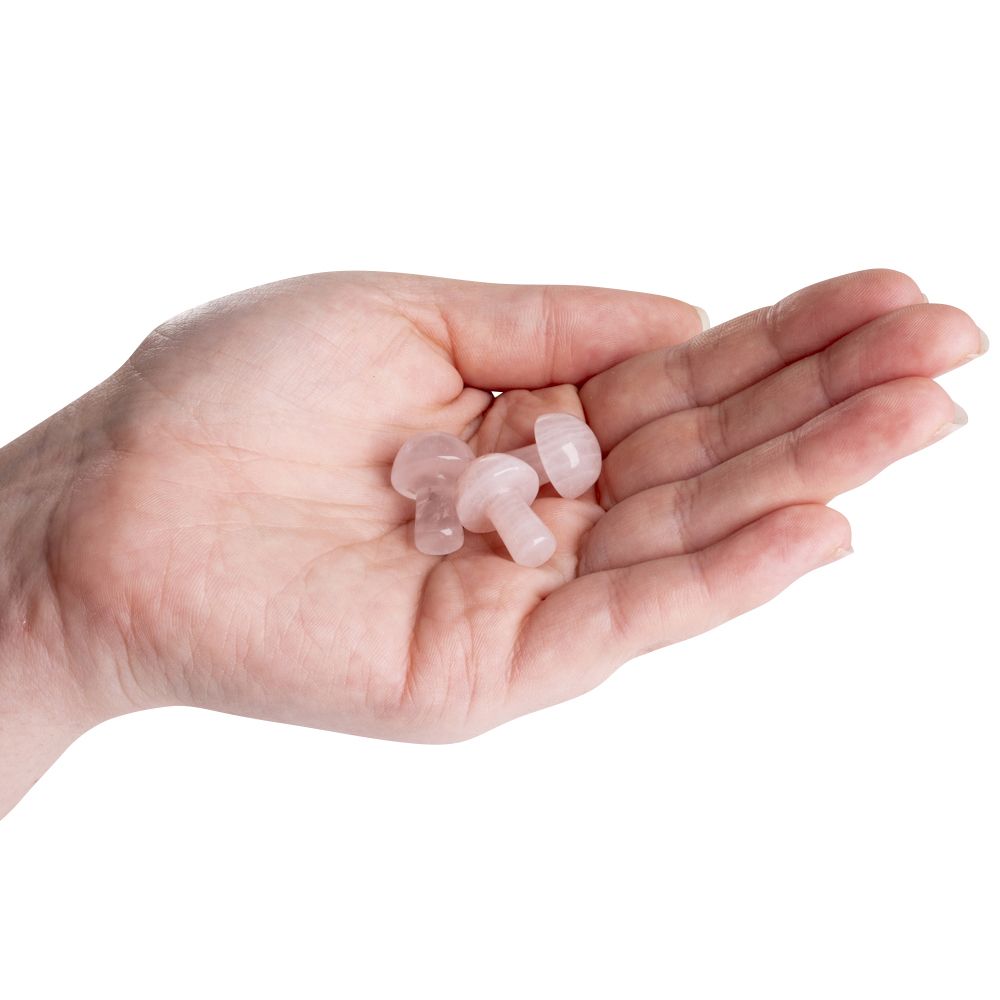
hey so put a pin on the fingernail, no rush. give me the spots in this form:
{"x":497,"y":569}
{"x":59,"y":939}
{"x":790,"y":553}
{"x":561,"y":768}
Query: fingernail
{"x":703,"y":316}
{"x":841,"y":551}
{"x":924,"y":297}
{"x":960,"y":419}
{"x":984,"y":346}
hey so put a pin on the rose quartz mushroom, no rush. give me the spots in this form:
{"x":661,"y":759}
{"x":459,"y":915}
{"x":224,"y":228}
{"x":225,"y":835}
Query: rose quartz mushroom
{"x":426,"y":469}
{"x":494,"y":493}
{"x":566,"y":453}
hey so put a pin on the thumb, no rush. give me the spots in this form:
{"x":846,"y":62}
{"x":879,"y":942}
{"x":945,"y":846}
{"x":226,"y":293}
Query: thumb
{"x":530,"y":336}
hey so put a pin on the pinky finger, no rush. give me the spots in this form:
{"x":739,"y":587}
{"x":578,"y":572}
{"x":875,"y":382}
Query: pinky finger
{"x":582,"y":632}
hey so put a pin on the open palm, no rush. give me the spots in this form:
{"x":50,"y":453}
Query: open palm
{"x":237,"y":535}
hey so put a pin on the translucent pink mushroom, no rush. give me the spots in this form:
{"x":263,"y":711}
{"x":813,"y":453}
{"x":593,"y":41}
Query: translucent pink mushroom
{"x":426,"y":470}
{"x":494,"y":493}
{"x":566,"y":453}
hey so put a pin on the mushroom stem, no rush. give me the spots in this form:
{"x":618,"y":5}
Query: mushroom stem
{"x":436,"y":528}
{"x":530,"y":456}
{"x":527,"y":539}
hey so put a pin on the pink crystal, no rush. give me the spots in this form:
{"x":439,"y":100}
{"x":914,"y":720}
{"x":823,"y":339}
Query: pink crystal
{"x":426,"y":469}
{"x":494,"y":493}
{"x":566,"y":453}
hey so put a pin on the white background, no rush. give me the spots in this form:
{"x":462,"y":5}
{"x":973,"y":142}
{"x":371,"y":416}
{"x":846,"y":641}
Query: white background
{"x":801,"y":804}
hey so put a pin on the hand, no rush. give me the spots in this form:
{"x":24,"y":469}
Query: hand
{"x":228,"y":537}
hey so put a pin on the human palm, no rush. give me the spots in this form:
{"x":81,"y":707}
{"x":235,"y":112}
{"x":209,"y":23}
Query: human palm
{"x":238,"y":536}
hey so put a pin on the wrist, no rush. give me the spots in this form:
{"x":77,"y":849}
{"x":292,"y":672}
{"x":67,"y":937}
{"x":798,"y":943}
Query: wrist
{"x":51,"y":687}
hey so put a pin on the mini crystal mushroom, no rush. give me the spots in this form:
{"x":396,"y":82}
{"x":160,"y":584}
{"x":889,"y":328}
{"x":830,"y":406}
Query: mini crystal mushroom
{"x":566,"y":453}
{"x":426,"y":469}
{"x":494,"y":493}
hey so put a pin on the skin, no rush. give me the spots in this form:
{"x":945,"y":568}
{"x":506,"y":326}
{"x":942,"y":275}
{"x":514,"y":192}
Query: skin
{"x":214,"y":525}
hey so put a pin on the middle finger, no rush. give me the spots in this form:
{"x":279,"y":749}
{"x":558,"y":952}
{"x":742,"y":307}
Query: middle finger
{"x":922,"y":340}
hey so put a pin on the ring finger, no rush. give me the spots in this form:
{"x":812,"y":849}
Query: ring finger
{"x":832,"y":453}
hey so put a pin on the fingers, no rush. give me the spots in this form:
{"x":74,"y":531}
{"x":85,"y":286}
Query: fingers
{"x":832,"y":453}
{"x":578,"y":635}
{"x":922,"y":340}
{"x":529,"y":336}
{"x":736,"y":354}
{"x":510,"y":421}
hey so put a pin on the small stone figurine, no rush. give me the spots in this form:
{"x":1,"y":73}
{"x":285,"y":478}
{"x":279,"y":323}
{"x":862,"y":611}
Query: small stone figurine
{"x":454,"y":490}
{"x":425,"y":470}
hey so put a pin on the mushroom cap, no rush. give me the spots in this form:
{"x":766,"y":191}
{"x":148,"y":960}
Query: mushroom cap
{"x":486,"y":478}
{"x":429,"y":459}
{"x":569,"y":452}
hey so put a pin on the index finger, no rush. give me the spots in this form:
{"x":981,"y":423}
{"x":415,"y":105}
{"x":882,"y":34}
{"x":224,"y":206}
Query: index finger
{"x":739,"y":353}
